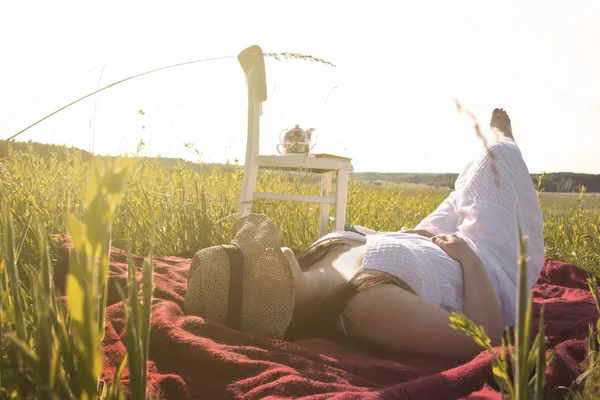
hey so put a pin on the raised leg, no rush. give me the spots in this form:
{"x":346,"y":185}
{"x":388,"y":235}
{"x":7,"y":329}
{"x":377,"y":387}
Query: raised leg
{"x":445,"y":218}
{"x":341,"y":197}
{"x":324,"y":208}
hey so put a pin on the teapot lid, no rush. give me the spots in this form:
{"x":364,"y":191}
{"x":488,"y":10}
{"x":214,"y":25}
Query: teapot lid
{"x":298,"y":129}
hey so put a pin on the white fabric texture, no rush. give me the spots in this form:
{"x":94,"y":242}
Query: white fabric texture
{"x":414,"y":259}
{"x":492,"y":195}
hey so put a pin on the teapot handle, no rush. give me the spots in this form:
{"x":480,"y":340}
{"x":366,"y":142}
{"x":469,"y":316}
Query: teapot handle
{"x":280,"y":133}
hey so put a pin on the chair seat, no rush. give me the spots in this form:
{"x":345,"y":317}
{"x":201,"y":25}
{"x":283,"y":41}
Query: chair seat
{"x":310,"y":163}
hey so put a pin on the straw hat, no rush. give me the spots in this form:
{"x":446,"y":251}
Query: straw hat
{"x":247,"y":284}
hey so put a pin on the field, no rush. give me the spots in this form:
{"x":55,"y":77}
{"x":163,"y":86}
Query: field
{"x":170,"y":211}
{"x":567,"y":200}
{"x":187,"y":210}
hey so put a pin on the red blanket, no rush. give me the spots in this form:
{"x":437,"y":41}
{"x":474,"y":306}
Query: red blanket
{"x":196,"y":359}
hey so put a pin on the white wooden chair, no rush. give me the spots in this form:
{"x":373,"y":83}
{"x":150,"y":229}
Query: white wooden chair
{"x":253,"y":64}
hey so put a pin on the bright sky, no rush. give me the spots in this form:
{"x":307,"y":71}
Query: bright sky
{"x":388,"y":104}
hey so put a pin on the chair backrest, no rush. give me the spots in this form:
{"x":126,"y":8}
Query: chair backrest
{"x":252,"y":59}
{"x":253,"y":64}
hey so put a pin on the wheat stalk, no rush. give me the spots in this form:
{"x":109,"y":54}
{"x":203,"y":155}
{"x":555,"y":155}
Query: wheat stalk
{"x":295,"y":56}
{"x":480,"y":135}
{"x":277,"y":56}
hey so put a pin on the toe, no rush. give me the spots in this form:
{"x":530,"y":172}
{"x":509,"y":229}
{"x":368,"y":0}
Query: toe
{"x":495,"y":114}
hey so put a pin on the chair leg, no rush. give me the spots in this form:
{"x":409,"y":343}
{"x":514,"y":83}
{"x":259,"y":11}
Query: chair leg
{"x":341,"y":197}
{"x":324,"y":208}
{"x":248,"y":189}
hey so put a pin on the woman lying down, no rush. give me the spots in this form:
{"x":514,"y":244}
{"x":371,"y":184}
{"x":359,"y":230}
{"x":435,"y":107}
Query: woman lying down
{"x":392,"y":290}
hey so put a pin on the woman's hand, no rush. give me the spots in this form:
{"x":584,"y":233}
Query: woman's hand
{"x":455,"y":247}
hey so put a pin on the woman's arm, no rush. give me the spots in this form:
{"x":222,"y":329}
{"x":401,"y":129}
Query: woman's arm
{"x":481,"y":303}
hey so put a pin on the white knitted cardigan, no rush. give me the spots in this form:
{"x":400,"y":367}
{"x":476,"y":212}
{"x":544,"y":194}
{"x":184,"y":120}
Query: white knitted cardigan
{"x":402,"y":259}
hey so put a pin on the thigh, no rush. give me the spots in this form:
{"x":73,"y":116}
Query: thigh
{"x":393,"y":319}
{"x":446,"y":218}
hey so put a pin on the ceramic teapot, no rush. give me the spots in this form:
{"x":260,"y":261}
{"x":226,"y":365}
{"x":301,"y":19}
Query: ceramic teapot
{"x":295,"y":141}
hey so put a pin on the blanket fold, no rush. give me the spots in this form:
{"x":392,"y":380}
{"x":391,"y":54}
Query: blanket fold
{"x":192,"y":358}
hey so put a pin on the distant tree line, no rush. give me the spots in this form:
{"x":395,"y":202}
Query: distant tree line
{"x":552,"y":182}
{"x":43,"y":149}
{"x":63,"y":152}
{"x":569,"y":182}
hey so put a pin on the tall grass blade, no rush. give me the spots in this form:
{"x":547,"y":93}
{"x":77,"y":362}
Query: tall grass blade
{"x":115,"y":392}
{"x":277,"y":56}
{"x":147,"y":291}
{"x":24,"y":232}
{"x":540,"y":377}
{"x":132,"y":335}
{"x":29,"y":355}
{"x":88,"y":276}
{"x":13,"y":276}
{"x":522,"y":323}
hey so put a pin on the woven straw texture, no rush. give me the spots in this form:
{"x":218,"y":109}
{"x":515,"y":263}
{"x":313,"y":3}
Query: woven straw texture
{"x":268,"y":288}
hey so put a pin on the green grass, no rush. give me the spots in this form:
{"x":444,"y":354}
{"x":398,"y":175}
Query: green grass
{"x":190,"y":209}
{"x":167,"y":211}
{"x":567,"y":200}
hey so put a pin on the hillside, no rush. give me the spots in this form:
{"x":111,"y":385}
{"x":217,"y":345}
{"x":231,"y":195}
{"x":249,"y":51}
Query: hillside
{"x":553,"y":182}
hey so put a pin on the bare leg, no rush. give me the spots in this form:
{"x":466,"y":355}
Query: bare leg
{"x":445,"y":218}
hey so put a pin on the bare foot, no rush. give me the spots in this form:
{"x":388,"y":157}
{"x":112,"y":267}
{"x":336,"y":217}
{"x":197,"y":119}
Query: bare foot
{"x":501,"y":122}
